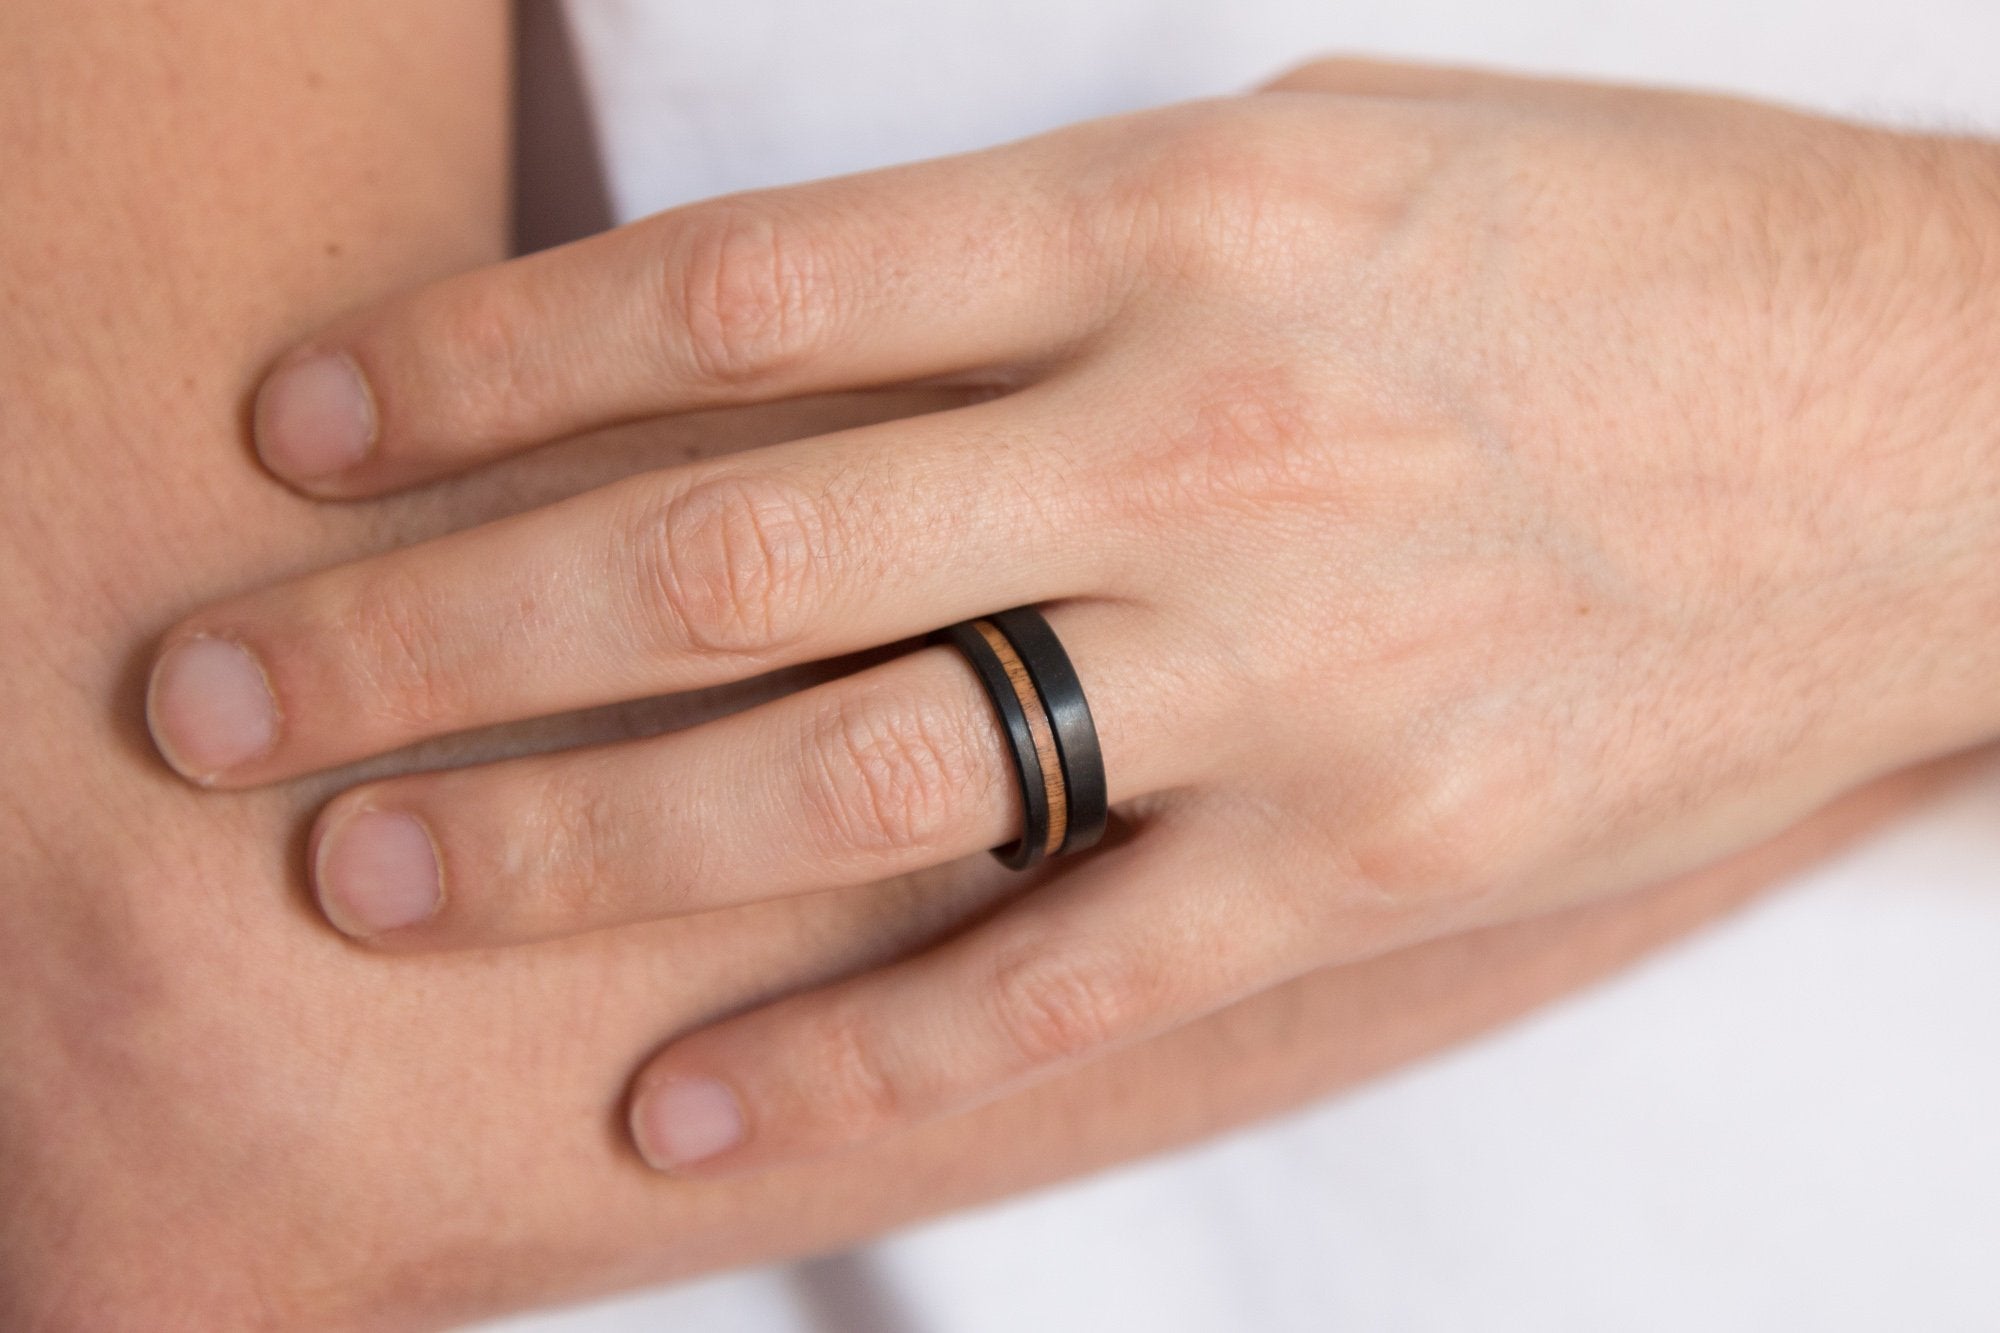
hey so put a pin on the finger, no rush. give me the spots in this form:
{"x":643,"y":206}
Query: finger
{"x":895,"y":275}
{"x":1134,"y":941}
{"x":670,"y":581}
{"x":882,"y":773}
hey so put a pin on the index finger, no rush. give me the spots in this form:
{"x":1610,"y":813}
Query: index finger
{"x":894,"y":275}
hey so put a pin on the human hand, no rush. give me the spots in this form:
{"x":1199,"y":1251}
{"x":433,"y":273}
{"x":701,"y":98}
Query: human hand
{"x":218,"y":1116}
{"x":1461,"y":496}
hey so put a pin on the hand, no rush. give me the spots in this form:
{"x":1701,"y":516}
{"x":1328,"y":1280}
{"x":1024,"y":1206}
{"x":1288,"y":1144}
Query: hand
{"x":216,"y":1115}
{"x":196,"y":1071}
{"x":1461,"y":496}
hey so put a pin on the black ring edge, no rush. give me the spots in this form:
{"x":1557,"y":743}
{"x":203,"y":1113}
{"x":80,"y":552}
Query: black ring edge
{"x":1026,"y":850}
{"x":1049,"y":666}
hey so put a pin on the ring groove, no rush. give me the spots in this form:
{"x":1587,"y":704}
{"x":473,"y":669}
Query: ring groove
{"x":1048,"y":754}
{"x":1062,"y":699}
{"x":987,"y":664}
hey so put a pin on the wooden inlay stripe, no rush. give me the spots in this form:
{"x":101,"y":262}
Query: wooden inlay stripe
{"x":1038,"y":727}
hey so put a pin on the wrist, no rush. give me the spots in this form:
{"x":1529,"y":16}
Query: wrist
{"x":1952,"y":399}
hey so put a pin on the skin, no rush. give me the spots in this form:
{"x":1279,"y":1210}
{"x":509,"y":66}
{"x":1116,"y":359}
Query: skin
{"x":1513,"y":492}
{"x":218,"y":1114}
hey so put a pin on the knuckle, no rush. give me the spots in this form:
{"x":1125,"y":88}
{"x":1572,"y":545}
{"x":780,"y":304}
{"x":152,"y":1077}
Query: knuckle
{"x":1364,"y":75}
{"x":1212,"y":183}
{"x":578,"y":853}
{"x":1260,"y":196}
{"x":1241,"y":441}
{"x":887,"y":775}
{"x":749,"y":293}
{"x":488,"y":338}
{"x":734,"y":565}
{"x":1321,"y":73}
{"x":855,"y":1092}
{"x":579,"y":839}
{"x":397,"y":657}
{"x":1054,"y":1003}
{"x":1450,"y":832}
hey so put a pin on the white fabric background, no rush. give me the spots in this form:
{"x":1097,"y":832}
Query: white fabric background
{"x":1792,"y":1123}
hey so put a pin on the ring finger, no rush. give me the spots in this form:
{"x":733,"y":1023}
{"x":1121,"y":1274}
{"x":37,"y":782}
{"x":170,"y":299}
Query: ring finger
{"x":675,"y":580}
{"x":881,"y":773}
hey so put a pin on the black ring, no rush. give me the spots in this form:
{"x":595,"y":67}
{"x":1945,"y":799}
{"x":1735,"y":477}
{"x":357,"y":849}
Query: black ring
{"x":1027,"y":849}
{"x":1069,"y":717}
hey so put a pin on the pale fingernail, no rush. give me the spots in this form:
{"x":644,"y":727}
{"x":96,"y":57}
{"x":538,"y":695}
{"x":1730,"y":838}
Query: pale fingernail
{"x":680,"y":1121}
{"x":210,"y":708}
{"x":314,"y":418}
{"x":376,"y":871}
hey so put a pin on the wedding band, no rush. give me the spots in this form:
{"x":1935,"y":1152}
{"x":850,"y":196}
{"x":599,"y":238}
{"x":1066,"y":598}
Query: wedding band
{"x":1058,"y":763}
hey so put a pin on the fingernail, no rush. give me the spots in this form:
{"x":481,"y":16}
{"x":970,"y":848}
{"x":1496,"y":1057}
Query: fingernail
{"x":210,"y":708}
{"x":377,"y":870}
{"x":314,"y":418}
{"x":680,"y":1121}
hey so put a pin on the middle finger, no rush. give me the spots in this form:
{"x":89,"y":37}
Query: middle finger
{"x":676,"y":580}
